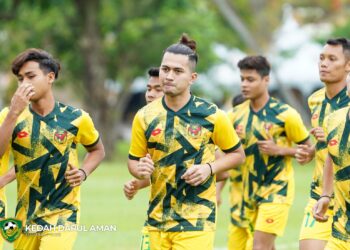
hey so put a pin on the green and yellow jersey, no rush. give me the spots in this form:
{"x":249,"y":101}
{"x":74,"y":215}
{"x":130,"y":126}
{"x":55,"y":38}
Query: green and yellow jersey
{"x":321,"y":106}
{"x":176,"y":141}
{"x":42,"y":147}
{"x":236,"y":189}
{"x":337,"y":128}
{"x":4,"y":165}
{"x":268,"y":179}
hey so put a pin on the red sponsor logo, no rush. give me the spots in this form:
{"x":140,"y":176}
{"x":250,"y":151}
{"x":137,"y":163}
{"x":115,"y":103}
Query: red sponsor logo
{"x":314,"y":116}
{"x":333,"y":142}
{"x":22,"y":134}
{"x":269,"y":220}
{"x":156,"y":131}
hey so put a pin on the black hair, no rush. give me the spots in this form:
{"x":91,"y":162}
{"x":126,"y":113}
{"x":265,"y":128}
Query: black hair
{"x":258,"y":63}
{"x":153,"y":72}
{"x":46,"y":62}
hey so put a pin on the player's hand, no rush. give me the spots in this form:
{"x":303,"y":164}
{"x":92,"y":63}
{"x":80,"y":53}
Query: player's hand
{"x":74,"y":176}
{"x":319,"y":134}
{"x":145,"y":167}
{"x":21,"y":98}
{"x":196,"y":174}
{"x":130,"y":189}
{"x":304,"y":153}
{"x":268,"y":147}
{"x":320,"y":209}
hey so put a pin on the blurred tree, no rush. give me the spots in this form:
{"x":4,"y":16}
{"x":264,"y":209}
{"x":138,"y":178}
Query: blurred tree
{"x":104,"y":44}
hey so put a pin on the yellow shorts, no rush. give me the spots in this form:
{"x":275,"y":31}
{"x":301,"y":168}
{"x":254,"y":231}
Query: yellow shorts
{"x":196,"y":240}
{"x":145,"y":244}
{"x":336,"y":244}
{"x":48,"y":240}
{"x":312,"y":229}
{"x":239,"y":238}
{"x":271,"y":218}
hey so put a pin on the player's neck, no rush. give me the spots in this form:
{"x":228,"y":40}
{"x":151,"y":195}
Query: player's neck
{"x":259,"y":102}
{"x":44,"y":105}
{"x":332,"y":89}
{"x":175,"y":103}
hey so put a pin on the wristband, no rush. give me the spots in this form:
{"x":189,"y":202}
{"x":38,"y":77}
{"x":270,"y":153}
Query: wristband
{"x":85,"y":175}
{"x":327,"y":196}
{"x":211,"y":170}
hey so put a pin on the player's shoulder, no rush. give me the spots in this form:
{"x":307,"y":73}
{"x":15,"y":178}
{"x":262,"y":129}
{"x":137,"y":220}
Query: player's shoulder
{"x":317,"y":96}
{"x":201,"y":103}
{"x":4,"y":111}
{"x":243,"y":107}
{"x":283,"y":110}
{"x":338,"y":115}
{"x":151,"y":107}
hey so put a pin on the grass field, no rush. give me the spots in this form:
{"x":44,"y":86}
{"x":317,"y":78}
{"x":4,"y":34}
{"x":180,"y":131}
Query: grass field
{"x":103,"y":203}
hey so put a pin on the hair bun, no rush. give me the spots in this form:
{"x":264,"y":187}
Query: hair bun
{"x":185,"y":40}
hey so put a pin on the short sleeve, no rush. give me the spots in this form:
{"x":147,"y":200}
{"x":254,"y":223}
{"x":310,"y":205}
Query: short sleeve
{"x":295,"y":128}
{"x":224,"y":136}
{"x":138,"y":145}
{"x":3,"y":114}
{"x":87,"y":133}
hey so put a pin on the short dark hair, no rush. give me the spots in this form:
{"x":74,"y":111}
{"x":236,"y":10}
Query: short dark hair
{"x":187,"y":47}
{"x":258,"y":63}
{"x":153,"y":72}
{"x":345,"y":43}
{"x":238,"y":99}
{"x":46,"y":62}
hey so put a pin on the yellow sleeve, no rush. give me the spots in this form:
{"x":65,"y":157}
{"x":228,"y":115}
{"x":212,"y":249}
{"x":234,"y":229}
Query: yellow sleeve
{"x":138,"y":146}
{"x":3,"y":114}
{"x":224,"y":136}
{"x":295,"y":128}
{"x":87,"y":133}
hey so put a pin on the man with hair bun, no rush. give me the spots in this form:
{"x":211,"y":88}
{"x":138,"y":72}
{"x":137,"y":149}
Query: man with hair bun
{"x":173,"y":143}
{"x":42,"y":135}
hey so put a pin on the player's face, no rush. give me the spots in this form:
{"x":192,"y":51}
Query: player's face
{"x":175,"y":74}
{"x":332,"y":64}
{"x":252,"y":84}
{"x":154,"y":89}
{"x":32,"y":74}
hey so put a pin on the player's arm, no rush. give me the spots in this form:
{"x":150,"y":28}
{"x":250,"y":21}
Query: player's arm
{"x":19,"y":102}
{"x":131,"y":187}
{"x":8,"y":177}
{"x":322,"y":204}
{"x":306,"y":153}
{"x":219,"y":187}
{"x":95,"y":154}
{"x":142,"y":168}
{"x":227,"y":140}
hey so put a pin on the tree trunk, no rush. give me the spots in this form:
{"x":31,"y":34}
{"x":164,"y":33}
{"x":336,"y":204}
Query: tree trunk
{"x":238,"y":26}
{"x":97,"y":99}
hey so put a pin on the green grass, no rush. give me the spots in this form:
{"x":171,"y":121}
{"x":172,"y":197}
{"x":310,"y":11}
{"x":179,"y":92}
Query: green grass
{"x":103,"y":202}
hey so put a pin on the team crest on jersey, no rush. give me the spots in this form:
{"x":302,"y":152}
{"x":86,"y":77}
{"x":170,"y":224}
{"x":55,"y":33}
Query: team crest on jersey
{"x":60,"y":136}
{"x":314,"y":116}
{"x":195,"y":130}
{"x":10,"y":229}
{"x":268,"y":126}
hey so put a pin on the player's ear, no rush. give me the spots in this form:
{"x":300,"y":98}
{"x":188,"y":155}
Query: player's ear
{"x":194,"y":76}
